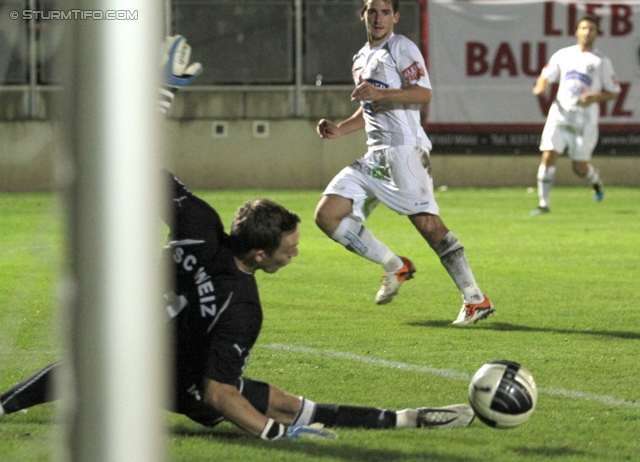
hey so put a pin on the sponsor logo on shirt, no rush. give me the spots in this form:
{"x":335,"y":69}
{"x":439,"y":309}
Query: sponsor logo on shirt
{"x":575,"y":75}
{"x":377,"y":83}
{"x":370,"y":107}
{"x":413,"y":72}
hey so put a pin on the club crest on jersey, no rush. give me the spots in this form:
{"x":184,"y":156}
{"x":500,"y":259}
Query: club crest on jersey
{"x":413,"y":72}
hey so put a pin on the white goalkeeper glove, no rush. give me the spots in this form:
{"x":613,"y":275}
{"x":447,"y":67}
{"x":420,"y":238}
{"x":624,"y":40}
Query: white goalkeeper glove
{"x":274,"y":431}
{"x":177,"y":70}
{"x":313,"y":431}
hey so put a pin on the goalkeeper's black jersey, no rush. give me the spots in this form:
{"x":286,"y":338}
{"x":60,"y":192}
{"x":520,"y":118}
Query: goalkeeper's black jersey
{"x":214,"y":306}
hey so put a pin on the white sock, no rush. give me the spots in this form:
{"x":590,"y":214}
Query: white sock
{"x":1,"y":410}
{"x":355,"y":237}
{"x":592,"y":176}
{"x":546,"y":176}
{"x":453,"y":258}
{"x":472,"y":294}
{"x":407,"y":418}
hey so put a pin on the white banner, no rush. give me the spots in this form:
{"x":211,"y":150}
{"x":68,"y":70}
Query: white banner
{"x":485,"y":56}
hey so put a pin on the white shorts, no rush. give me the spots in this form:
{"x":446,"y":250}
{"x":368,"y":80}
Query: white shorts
{"x":578,"y":143}
{"x":399,"y":177}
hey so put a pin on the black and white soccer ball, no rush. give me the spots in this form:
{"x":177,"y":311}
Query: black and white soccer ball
{"x":503,"y":394}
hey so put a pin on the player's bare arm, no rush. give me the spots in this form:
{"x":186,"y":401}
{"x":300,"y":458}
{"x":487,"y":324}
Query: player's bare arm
{"x":283,"y":406}
{"x":596,"y":97}
{"x":227,"y":400}
{"x":329,"y":130}
{"x":412,"y":94}
{"x":540,"y":86}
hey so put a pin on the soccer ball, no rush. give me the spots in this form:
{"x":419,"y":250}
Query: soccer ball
{"x":503,"y":394}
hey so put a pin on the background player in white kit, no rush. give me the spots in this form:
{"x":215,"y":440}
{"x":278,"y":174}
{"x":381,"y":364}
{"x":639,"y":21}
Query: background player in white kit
{"x":211,"y":342}
{"x":392,"y":85}
{"x":586,"y":79}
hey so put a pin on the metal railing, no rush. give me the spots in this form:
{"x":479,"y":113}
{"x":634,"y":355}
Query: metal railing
{"x":296,"y":46}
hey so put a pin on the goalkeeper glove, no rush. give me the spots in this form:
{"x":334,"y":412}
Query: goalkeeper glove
{"x":275,"y":431}
{"x":178,"y":72}
{"x":313,"y":431}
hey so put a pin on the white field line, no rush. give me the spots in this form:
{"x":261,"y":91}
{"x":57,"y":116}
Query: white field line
{"x":446,"y":373}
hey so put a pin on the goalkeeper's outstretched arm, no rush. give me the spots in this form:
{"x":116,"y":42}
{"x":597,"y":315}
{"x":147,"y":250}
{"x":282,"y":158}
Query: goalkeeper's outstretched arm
{"x":279,"y":423}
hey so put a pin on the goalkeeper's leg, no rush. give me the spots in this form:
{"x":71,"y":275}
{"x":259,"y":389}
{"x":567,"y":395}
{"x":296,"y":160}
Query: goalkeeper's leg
{"x":34,"y":390}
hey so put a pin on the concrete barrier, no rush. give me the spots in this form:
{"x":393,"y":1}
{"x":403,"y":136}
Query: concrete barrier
{"x":277,"y":154}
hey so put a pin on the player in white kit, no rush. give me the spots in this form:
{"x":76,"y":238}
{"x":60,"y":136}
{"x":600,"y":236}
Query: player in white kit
{"x":586,"y":78}
{"x":392,"y":85}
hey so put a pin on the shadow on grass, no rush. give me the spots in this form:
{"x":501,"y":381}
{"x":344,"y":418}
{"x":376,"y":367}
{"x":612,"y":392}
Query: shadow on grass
{"x":325,"y":448}
{"x":503,"y":326}
{"x":543,"y":451}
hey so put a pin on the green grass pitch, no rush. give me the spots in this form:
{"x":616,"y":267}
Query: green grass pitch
{"x":564,"y":285}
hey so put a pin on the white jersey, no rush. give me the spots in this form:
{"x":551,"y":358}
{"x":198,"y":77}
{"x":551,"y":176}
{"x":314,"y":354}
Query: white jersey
{"x":397,"y":63}
{"x":578,"y":72}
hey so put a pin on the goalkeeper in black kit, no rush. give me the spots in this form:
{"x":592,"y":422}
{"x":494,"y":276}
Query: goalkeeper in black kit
{"x":215,"y":313}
